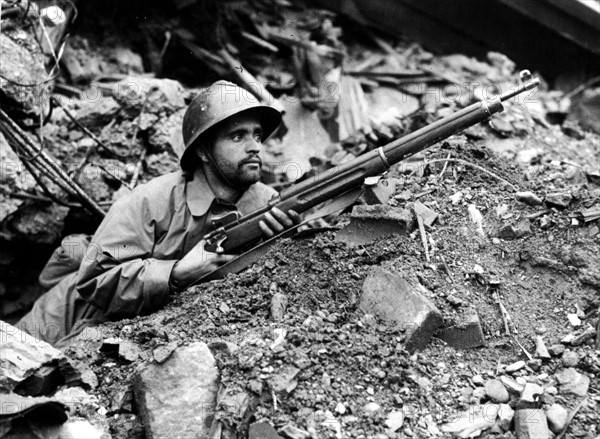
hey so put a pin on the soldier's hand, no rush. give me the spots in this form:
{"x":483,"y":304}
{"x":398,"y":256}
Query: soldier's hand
{"x":196,"y":264}
{"x":276,"y":221}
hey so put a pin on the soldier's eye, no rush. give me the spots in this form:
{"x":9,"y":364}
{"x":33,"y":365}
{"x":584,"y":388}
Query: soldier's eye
{"x":236,"y":137}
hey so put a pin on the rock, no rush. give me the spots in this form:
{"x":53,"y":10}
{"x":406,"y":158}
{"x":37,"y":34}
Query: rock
{"x":556,"y":350}
{"x":468,"y":334}
{"x":223,"y":346}
{"x":545,"y":222}
{"x":159,"y":97}
{"x":177,"y":398}
{"x":125,"y":349}
{"x":26,"y":66}
{"x":531,"y":424}
{"x":37,"y":224}
{"x":589,"y":333}
{"x":291,"y":432}
{"x":368,"y":223}
{"x":473,"y":422}
{"x":427,"y":215}
{"x":79,"y":61}
{"x":570,"y":359}
{"x":515,"y":366}
{"x":573,"y":382}
{"x":530,"y":395}
{"x":391,"y":297}
{"x":540,"y":348}
{"x":81,"y":403}
{"x":77,"y":374}
{"x":505,"y":417}
{"x":395,"y":420}
{"x":477,"y":380}
{"x":515,"y":231}
{"x":26,"y":362}
{"x":163,"y":353}
{"x":528,"y":198}
{"x":560,"y":200}
{"x":557,"y":417}
{"x":496,"y":391}
{"x":278,"y":306}
{"x":535,"y":363}
{"x":371,"y":407}
{"x":380,"y":190}
{"x":284,"y":382}
{"x":572,"y":129}
{"x":512,"y":385}
{"x":166,"y":135}
{"x":262,"y":430}
{"x":584,"y":110}
{"x":97,"y":112}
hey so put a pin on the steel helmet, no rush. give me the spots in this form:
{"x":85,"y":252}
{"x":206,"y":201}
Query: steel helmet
{"x":216,"y":103}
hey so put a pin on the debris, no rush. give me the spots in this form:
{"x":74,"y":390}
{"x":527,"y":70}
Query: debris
{"x":473,"y":422}
{"x":163,"y":353}
{"x":26,"y":361}
{"x":540,"y":348}
{"x":423,"y":237}
{"x":169,"y":395}
{"x":556,"y":350}
{"x":505,"y":417}
{"x":262,"y":430}
{"x":379,"y":190}
{"x":278,"y":306}
{"x":559,"y":200}
{"x":395,"y":420}
{"x":584,"y":110}
{"x":589,"y":333}
{"x":573,"y":382}
{"x":284,"y":382}
{"x":465,"y":335}
{"x":514,"y":367}
{"x":512,"y":385}
{"x":393,"y":297}
{"x":368,"y":223}
{"x":496,"y":391}
{"x":530,"y":395}
{"x":476,"y":218}
{"x":291,"y":432}
{"x":529,"y":198}
{"x":428,"y":215}
{"x":515,"y":231}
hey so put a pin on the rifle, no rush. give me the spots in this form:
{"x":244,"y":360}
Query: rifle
{"x":345,"y":181}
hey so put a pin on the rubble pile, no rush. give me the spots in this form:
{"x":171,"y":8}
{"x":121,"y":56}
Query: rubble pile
{"x":459,"y":298}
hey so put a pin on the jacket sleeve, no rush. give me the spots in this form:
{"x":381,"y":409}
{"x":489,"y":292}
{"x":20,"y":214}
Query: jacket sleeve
{"x":117,"y":273}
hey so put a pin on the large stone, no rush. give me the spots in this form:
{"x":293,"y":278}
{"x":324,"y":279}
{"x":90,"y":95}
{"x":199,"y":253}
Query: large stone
{"x":560,"y":200}
{"x":24,"y":65}
{"x":496,"y":391}
{"x":465,"y":335}
{"x":531,"y":424}
{"x":24,"y":361}
{"x":158,"y":97}
{"x":573,"y":382}
{"x":557,"y":417}
{"x":368,"y":223}
{"x":393,"y":297}
{"x":177,"y":398}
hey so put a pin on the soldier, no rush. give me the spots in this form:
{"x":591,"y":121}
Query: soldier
{"x":150,"y":244}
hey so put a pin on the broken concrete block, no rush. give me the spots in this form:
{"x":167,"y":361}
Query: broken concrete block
{"x":560,"y":200}
{"x":177,"y":398}
{"x":573,"y":382}
{"x":368,"y":223}
{"x":531,"y":424}
{"x":528,"y":198}
{"x":515,"y":231}
{"x":467,"y":334}
{"x":22,"y":356}
{"x":391,"y":297}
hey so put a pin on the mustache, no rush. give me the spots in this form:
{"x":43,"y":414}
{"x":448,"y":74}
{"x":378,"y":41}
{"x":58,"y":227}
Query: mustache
{"x":250,"y":160}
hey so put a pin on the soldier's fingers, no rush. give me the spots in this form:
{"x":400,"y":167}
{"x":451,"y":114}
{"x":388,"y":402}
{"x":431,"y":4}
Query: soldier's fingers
{"x":296,"y":218}
{"x":273,"y":223}
{"x":265,"y":229}
{"x":283,"y":219}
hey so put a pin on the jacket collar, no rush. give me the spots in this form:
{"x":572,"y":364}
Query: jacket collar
{"x":199,"y":196}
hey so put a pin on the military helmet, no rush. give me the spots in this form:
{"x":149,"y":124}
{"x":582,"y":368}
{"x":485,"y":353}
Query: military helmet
{"x":216,"y":103}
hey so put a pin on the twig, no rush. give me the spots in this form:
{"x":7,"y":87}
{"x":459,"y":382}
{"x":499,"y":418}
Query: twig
{"x":86,"y":130}
{"x":445,"y":166}
{"x":570,"y":419}
{"x":464,"y":162}
{"x":423,"y":236}
{"x":447,"y":269}
{"x":529,"y":356}
{"x":598,"y":331}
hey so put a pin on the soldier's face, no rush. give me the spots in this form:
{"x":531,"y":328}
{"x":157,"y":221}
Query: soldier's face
{"x":237,"y":147}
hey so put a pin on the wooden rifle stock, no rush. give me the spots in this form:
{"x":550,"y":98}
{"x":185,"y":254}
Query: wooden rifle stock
{"x":238,"y":234}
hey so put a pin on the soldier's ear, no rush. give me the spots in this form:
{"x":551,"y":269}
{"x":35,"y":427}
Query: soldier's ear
{"x":201,"y":152}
